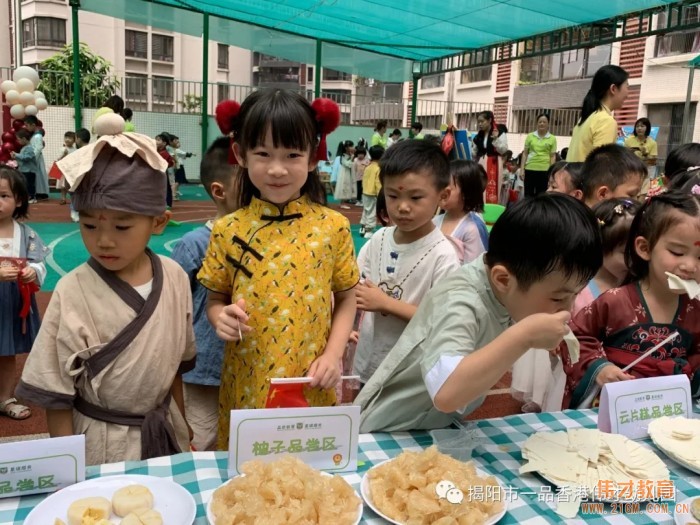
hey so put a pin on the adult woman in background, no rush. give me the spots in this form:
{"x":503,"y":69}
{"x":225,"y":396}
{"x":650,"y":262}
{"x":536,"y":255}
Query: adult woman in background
{"x":539,"y":154}
{"x":487,"y":147}
{"x":645,"y":148}
{"x":597,"y":126}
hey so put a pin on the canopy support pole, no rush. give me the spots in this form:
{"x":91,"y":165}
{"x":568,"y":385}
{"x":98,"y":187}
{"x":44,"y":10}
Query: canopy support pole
{"x":686,"y":109}
{"x":205,"y":83}
{"x":414,"y":100}
{"x":75,"y":7}
{"x":319,"y":59}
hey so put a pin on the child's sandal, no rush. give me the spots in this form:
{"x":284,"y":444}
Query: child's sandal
{"x":14,"y":410}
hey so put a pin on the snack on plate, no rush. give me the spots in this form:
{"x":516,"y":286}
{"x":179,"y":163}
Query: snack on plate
{"x":143,"y":517}
{"x":695,"y":508}
{"x":284,"y":491}
{"x":131,"y":498}
{"x":582,"y":457}
{"x":88,"y":511}
{"x":406,"y":489}
{"x":679,"y":436}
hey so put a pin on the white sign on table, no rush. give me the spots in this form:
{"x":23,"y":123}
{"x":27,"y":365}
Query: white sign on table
{"x":325,"y":438}
{"x":42,"y":465}
{"x":627,"y":407}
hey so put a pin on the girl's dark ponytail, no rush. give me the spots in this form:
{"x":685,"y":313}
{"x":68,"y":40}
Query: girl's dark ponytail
{"x":605,"y":77}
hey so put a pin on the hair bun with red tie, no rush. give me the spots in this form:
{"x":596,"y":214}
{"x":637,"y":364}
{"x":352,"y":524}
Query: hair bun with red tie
{"x":225,"y":114}
{"x":328,"y":115}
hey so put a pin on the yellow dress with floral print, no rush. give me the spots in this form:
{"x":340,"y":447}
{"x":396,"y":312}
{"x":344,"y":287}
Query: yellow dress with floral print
{"x":286,"y":266}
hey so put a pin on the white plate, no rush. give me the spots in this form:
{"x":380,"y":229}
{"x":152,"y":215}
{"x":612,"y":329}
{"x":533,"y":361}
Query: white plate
{"x":685,"y":518}
{"x":210,"y":515}
{"x":367,"y":496}
{"x":680,"y":461}
{"x":174,"y":503}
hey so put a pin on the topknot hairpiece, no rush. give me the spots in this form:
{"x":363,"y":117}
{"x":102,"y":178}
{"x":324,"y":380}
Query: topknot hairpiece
{"x":328,"y":116}
{"x":225,"y":114}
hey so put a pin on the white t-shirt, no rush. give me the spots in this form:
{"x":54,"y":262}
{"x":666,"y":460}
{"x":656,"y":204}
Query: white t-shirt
{"x":405,"y":271}
{"x":144,"y":290}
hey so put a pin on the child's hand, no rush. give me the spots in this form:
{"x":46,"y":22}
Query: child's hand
{"x":545,"y":330}
{"x":13,"y":154}
{"x":325,"y":371}
{"x":8,"y":273}
{"x":611,"y":374}
{"x":354,"y":337}
{"x":369,"y":297}
{"x":28,"y":274}
{"x":231,"y":321}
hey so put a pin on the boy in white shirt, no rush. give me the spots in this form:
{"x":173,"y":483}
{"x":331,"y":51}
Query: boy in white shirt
{"x":401,"y":263}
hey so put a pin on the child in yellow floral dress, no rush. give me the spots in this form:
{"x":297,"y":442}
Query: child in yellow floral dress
{"x":274,"y":266}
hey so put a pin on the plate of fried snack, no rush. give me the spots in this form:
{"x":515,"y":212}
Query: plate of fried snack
{"x":421,"y":488}
{"x":117,"y":500}
{"x":286,"y":491}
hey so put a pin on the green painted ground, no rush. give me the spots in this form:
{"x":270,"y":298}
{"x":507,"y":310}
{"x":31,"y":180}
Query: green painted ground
{"x":68,"y":251}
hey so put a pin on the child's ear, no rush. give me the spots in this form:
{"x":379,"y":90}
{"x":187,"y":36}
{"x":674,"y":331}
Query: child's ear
{"x":577,"y":194}
{"x":313,"y":163}
{"x":501,"y":278}
{"x":602,"y":193}
{"x":237,"y":152}
{"x":641,"y":246}
{"x":217,"y":191}
{"x":444,"y":196}
{"x":160,"y":222}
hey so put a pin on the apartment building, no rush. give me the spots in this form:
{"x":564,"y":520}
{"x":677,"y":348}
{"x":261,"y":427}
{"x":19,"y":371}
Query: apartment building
{"x":558,"y":82}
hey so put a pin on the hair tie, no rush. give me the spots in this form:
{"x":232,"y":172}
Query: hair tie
{"x":328,"y":116}
{"x":225,"y":114}
{"x":695,"y":190}
{"x":601,"y":222}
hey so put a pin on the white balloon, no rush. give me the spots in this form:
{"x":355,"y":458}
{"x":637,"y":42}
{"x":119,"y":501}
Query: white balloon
{"x":8,"y":85}
{"x":24,"y":84}
{"x":41,"y":104}
{"x":17,"y":111}
{"x":30,"y":110}
{"x":12,"y":97}
{"x":26,"y":72}
{"x":39,"y":94}
{"x":26,"y":98}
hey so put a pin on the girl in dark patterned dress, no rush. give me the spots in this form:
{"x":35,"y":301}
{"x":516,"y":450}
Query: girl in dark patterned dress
{"x":625,"y":322}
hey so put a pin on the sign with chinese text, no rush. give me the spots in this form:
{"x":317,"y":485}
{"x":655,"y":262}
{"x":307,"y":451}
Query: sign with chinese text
{"x":322,"y":437}
{"x":627,"y":407}
{"x":42,"y":465}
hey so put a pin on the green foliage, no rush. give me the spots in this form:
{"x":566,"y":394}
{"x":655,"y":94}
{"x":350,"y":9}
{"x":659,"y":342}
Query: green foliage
{"x":191,"y":104}
{"x":97,"y":83}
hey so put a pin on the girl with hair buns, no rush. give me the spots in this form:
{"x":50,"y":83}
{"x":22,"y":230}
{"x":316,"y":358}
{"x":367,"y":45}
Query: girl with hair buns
{"x":280,"y":270}
{"x":597,"y":126}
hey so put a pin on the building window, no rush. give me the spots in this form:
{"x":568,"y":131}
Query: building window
{"x":433,"y":81}
{"x":136,"y":87}
{"x":162,"y":48}
{"x":136,"y":44}
{"x":681,"y":42}
{"x":309,"y":74}
{"x":567,"y":65}
{"x":222,"y":52}
{"x":476,"y":74}
{"x":331,"y":74}
{"x":392,"y":92}
{"x":339,"y":96}
{"x":222,"y":92}
{"x":43,"y":31}
{"x":163,"y":90}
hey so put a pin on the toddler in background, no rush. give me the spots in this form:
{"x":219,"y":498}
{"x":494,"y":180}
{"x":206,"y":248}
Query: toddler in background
{"x":567,"y":177}
{"x":68,"y":148}
{"x":462,"y":206}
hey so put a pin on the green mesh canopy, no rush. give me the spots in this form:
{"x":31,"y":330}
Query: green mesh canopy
{"x":379,"y":38}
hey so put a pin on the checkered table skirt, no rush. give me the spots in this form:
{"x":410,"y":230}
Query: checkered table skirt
{"x":498,"y":452}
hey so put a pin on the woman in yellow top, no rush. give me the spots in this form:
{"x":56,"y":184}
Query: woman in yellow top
{"x":280,"y":270}
{"x":645,"y":148}
{"x":597,"y":126}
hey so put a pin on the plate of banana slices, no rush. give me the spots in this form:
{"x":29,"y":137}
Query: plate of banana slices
{"x":117,"y":500}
